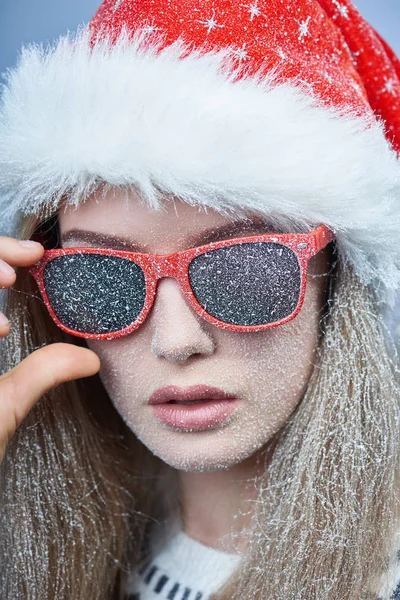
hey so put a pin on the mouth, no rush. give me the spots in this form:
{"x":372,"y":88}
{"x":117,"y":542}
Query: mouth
{"x":197,"y":408}
{"x":187,"y":402}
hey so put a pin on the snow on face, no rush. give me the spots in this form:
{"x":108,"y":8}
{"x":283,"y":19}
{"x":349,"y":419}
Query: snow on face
{"x":267,"y":371}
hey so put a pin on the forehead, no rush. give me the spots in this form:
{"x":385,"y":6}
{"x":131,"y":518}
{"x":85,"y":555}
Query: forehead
{"x":117,"y":209}
{"x":135,"y":224}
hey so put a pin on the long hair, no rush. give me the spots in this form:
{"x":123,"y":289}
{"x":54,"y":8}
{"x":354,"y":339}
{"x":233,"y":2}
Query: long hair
{"x":326,"y":523}
{"x":78,"y":490}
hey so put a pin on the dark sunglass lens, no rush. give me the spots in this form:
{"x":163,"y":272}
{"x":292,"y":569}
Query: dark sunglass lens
{"x":95,"y":293}
{"x":247,"y":284}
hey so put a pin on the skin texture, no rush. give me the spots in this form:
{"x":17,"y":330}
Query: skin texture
{"x":268,"y":371}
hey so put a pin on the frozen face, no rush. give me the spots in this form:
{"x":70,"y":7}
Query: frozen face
{"x":266,"y":372}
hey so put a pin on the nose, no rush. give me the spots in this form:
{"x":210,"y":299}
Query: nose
{"x":177,"y":331}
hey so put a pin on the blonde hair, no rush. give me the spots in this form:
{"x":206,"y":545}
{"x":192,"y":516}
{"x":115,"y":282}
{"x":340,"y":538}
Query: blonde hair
{"x":78,"y":490}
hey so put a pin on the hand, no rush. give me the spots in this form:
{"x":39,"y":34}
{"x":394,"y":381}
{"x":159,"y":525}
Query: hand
{"x":45,"y":368}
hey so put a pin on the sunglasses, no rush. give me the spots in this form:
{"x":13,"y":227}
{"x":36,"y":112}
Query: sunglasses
{"x":243,"y":284}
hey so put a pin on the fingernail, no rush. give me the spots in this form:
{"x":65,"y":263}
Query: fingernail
{"x":29,"y":244}
{"x":5,"y":269}
{"x":3,"y":320}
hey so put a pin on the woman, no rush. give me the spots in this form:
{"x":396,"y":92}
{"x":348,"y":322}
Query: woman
{"x":204,"y":405}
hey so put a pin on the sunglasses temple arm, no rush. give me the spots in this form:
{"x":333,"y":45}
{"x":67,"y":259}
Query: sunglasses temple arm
{"x":322,"y":237}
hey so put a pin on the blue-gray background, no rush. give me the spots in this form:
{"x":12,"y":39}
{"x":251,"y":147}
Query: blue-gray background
{"x":23,"y":21}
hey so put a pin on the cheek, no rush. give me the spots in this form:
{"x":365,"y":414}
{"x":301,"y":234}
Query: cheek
{"x":123,"y":366}
{"x":276,"y":366}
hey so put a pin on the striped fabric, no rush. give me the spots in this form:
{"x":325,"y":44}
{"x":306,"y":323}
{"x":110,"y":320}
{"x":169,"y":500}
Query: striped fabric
{"x":185,"y":569}
{"x":181,"y":569}
{"x":161,"y":586}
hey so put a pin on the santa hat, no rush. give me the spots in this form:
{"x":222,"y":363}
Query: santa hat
{"x":290,"y":108}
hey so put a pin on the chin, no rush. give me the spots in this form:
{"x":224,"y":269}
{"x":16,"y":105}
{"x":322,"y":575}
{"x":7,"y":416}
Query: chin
{"x":214,"y":450}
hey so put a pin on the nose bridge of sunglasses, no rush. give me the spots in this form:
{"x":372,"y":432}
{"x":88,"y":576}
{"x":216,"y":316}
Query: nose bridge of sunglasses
{"x":166,"y":266}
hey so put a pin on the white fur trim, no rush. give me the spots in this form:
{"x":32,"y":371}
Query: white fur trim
{"x":71,"y":119}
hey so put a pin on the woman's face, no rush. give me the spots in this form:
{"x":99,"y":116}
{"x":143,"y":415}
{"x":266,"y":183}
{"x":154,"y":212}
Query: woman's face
{"x":267,"y":372}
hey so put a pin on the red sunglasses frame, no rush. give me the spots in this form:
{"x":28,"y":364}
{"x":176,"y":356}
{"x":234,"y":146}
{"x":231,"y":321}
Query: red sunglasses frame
{"x":157,"y":266}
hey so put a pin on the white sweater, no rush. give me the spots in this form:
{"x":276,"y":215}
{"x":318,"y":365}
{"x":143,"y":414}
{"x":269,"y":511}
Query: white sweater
{"x":184,"y":569}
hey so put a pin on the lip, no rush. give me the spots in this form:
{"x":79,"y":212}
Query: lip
{"x":216,"y":407}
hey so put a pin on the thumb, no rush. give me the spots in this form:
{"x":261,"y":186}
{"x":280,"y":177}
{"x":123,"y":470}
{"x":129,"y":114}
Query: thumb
{"x":41,"y":371}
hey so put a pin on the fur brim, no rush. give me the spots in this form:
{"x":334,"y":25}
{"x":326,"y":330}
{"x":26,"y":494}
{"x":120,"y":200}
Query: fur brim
{"x":127,"y":114}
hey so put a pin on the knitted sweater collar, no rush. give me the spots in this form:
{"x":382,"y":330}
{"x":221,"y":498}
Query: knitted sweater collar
{"x":183,"y":568}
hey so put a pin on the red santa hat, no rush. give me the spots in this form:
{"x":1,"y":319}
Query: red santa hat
{"x":290,"y":108}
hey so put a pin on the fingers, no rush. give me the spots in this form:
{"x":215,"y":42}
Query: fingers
{"x":19,"y":253}
{"x":41,"y":371}
{"x":45,"y":368}
{"x":4,"y":325}
{"x":14,"y":253}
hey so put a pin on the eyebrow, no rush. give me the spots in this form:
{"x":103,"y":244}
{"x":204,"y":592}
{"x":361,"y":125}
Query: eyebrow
{"x":210,"y":235}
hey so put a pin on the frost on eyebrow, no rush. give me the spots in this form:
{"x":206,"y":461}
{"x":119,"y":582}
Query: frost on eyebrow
{"x":236,"y":226}
{"x":233,"y":229}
